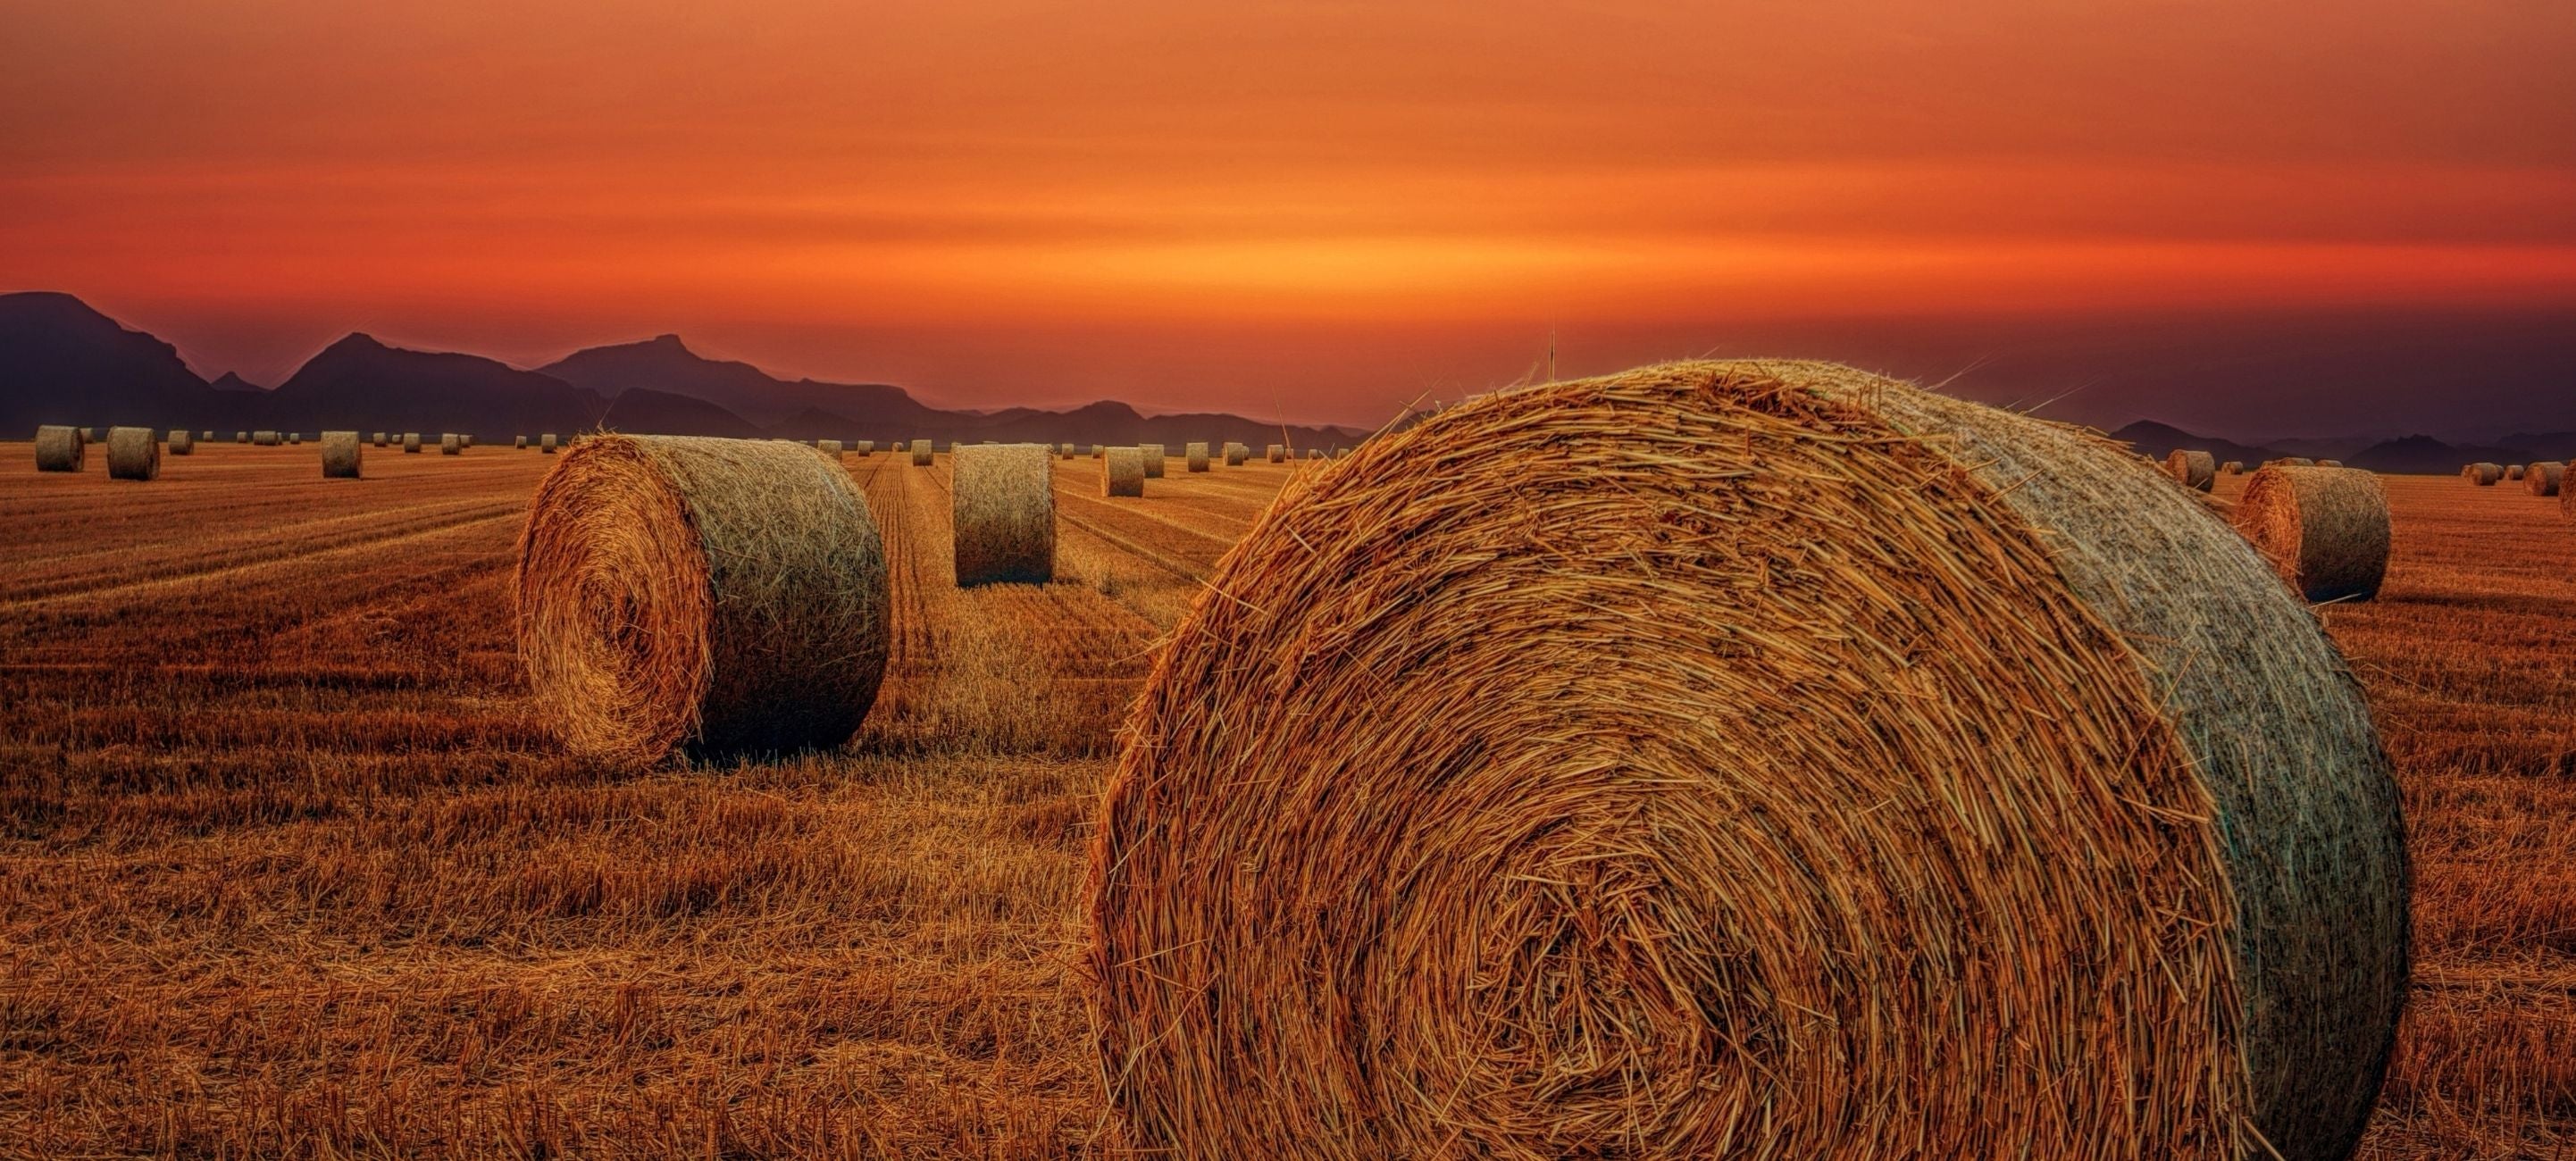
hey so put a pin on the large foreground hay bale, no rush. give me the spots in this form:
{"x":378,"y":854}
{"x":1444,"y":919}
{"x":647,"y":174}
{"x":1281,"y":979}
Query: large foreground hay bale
{"x":722,"y":596}
{"x":449,"y":445}
{"x":2196,"y":470}
{"x":1197,"y":455}
{"x":1122,"y":472}
{"x":60,"y":448}
{"x":343,"y":457}
{"x":1154,"y":457}
{"x":1736,"y":758}
{"x":133,"y":453}
{"x":411,"y":443}
{"x":2325,"y":530}
{"x":2482,"y":474}
{"x":1003,"y":496}
{"x":921,"y":453}
{"x":263,"y":439}
{"x":2545,"y":478}
{"x":182,"y":442}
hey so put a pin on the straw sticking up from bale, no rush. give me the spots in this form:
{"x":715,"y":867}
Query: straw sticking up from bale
{"x":60,"y":448}
{"x":1004,"y":502}
{"x":1197,"y":454}
{"x":721,"y":596}
{"x":343,"y":457}
{"x":182,"y":442}
{"x":133,"y":453}
{"x":2545,"y":478}
{"x":1154,"y":457}
{"x":2483,"y":475}
{"x":2195,"y":469}
{"x":1745,"y":757}
{"x":921,"y":453}
{"x":2325,"y":530}
{"x":1122,"y":472}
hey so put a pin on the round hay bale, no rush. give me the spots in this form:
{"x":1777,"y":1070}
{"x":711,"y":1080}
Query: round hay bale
{"x":133,"y":453}
{"x":2232,"y":468}
{"x":1064,"y":451}
{"x":264,"y":439}
{"x":1275,"y":453}
{"x":867,"y":447}
{"x":182,"y":442}
{"x":2295,"y":462}
{"x":1154,"y":457}
{"x":1122,"y":472}
{"x":1745,"y":758}
{"x":2196,"y":470}
{"x":1197,"y":454}
{"x":378,"y":438}
{"x":1098,"y":451}
{"x":2545,"y":478}
{"x":295,"y":437}
{"x":241,"y":437}
{"x":829,"y":447}
{"x":411,"y":443}
{"x":921,"y":453}
{"x":2567,"y":496}
{"x":60,"y":448}
{"x":2512,"y":472}
{"x":449,"y":445}
{"x":1314,"y":453}
{"x":464,"y":439}
{"x":2484,"y":475}
{"x":1003,"y":496}
{"x":717,"y":596}
{"x":2325,"y":530}
{"x":520,"y":442}
{"x":94,"y":434}
{"x":206,"y":436}
{"x":1236,"y":453}
{"x":546,"y":443}
{"x":342,"y":455}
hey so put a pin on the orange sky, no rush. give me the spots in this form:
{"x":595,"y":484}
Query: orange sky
{"x":1316,"y":208}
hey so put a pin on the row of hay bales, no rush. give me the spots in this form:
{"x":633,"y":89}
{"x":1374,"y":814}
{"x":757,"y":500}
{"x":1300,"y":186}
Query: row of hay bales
{"x":2540,"y":478}
{"x":1685,"y":762}
{"x":134,"y":453}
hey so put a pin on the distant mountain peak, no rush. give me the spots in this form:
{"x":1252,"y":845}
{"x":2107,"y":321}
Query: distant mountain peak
{"x":232,"y":381}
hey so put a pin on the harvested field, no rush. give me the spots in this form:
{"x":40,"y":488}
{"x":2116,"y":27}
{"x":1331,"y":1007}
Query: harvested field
{"x":293,"y":867}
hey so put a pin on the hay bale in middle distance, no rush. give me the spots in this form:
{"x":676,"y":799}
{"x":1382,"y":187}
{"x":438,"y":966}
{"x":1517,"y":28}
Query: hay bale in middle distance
{"x":1236,"y":453}
{"x":519,"y":442}
{"x":133,"y":453}
{"x":1122,"y":472}
{"x":343,"y":455}
{"x":546,"y":443}
{"x":829,"y":447}
{"x":1197,"y":454}
{"x":182,"y":442}
{"x":722,"y":596}
{"x":1152,"y":454}
{"x":2512,"y":472}
{"x":2197,"y":470}
{"x":1275,"y":453}
{"x":2232,"y":468}
{"x":2325,"y":530}
{"x":411,"y":443}
{"x":921,"y":453}
{"x":2483,"y":475}
{"x":263,"y":439}
{"x":60,"y":448}
{"x":1751,"y":756}
{"x":2544,"y":478}
{"x":1004,"y":502}
{"x":449,"y":445}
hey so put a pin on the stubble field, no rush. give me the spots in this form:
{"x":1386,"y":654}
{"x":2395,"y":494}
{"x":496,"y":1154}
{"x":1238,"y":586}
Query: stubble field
{"x":289,"y":868}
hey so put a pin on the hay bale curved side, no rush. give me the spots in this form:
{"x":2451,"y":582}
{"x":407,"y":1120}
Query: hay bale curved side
{"x":1236,"y":453}
{"x":2325,"y":530}
{"x":1197,"y":455}
{"x":1153,"y":456}
{"x":1003,"y":498}
{"x":2512,"y":472}
{"x":2545,"y":478}
{"x":1122,"y":472}
{"x":411,"y":443}
{"x":182,"y":442}
{"x":343,"y":456}
{"x":449,"y":444}
{"x":921,"y":453}
{"x":2197,"y":470}
{"x":1431,"y":837}
{"x":133,"y":453}
{"x":60,"y":448}
{"x":2483,"y":475}
{"x":717,"y":596}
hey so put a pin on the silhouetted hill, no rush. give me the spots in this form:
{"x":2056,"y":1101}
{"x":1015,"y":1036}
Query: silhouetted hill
{"x":645,"y":411}
{"x":232,"y":382}
{"x":2157,"y":440}
{"x":359,"y":383}
{"x":665,"y":364}
{"x":62,"y":362}
{"x":2420,"y":455}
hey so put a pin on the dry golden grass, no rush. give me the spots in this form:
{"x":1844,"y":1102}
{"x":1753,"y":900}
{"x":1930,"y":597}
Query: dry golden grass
{"x":290,"y":868}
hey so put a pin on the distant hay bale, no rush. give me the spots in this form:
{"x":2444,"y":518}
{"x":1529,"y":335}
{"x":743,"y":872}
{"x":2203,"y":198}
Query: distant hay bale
{"x":182,"y":442}
{"x":715,"y":596}
{"x":1122,"y":472}
{"x":2295,"y":462}
{"x":520,"y":442}
{"x":342,"y":455}
{"x":94,"y":434}
{"x":1275,"y":453}
{"x":1002,"y":497}
{"x":378,"y":438}
{"x":1064,"y":451}
{"x":1097,"y":451}
{"x":1314,"y":453}
{"x":1154,"y":457}
{"x":60,"y":448}
{"x":464,"y":439}
{"x":2545,"y":479}
{"x":829,"y":447}
{"x":2483,"y":475}
{"x":1475,"y":809}
{"x":294,"y":437}
{"x":1236,"y":453}
{"x":2325,"y":530}
{"x":133,"y":453}
{"x":2196,"y":470}
{"x":546,"y":443}
{"x":264,"y":439}
{"x":921,"y":453}
{"x":1341,"y":453}
{"x":411,"y":443}
{"x":1197,"y":454}
{"x":2232,"y":468}
{"x":241,"y":437}
{"x":867,"y":447}
{"x":448,"y":444}
{"x":2512,"y":472}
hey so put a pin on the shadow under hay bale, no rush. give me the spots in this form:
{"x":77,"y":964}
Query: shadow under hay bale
{"x":133,"y":453}
{"x":725,"y":597}
{"x":343,"y":456}
{"x":1003,"y":500}
{"x":2325,"y":530}
{"x":1735,"y":755}
{"x":60,"y":448}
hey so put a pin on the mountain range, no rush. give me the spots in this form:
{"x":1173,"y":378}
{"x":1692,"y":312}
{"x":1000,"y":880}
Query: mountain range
{"x":61,"y":361}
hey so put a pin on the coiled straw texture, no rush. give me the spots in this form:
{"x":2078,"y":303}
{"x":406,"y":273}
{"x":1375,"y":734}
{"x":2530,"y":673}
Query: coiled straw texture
{"x":719,"y":596}
{"x":1758,"y":759}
